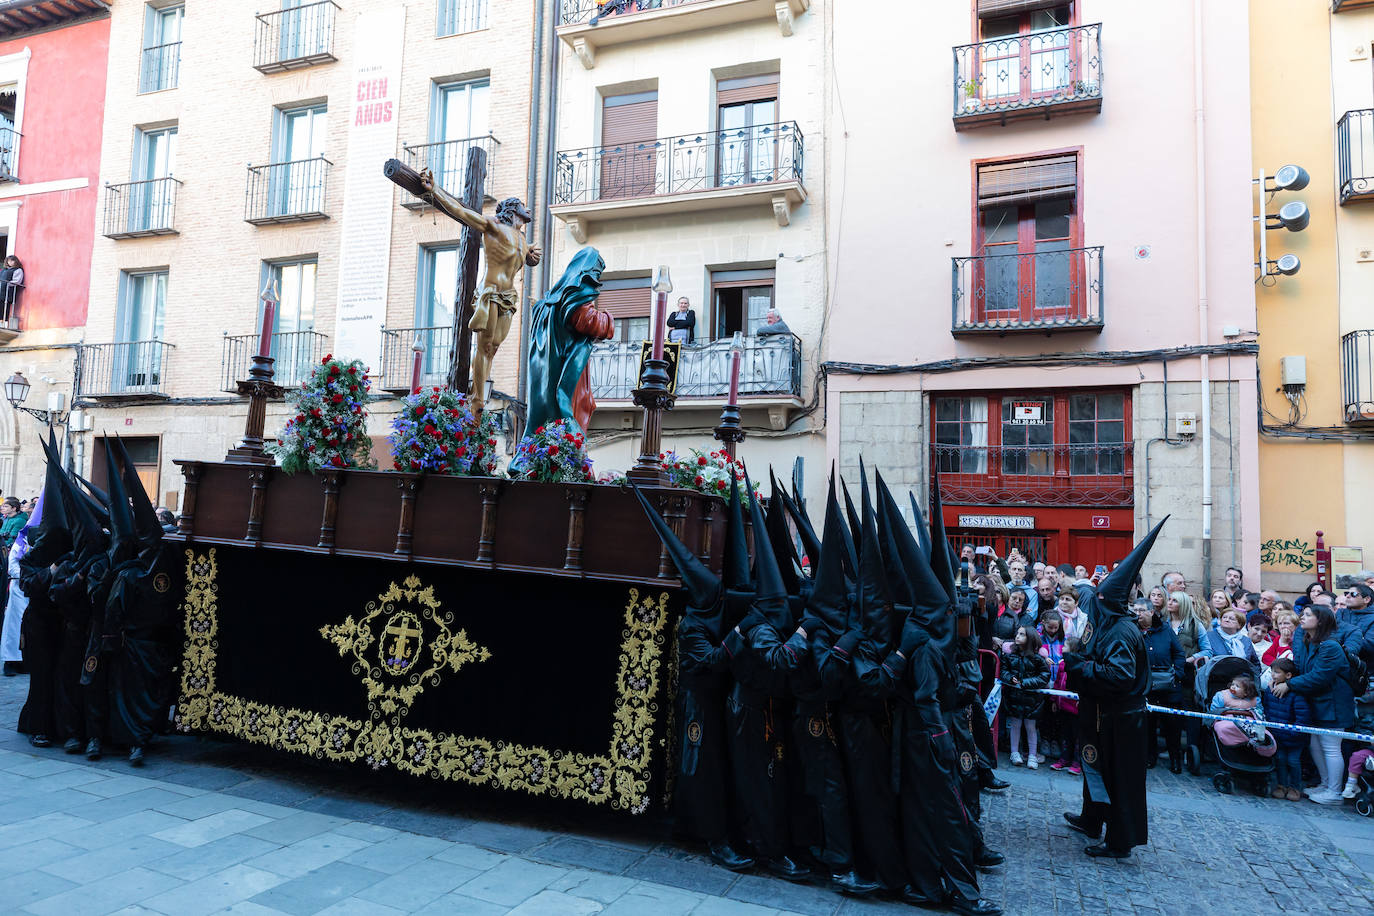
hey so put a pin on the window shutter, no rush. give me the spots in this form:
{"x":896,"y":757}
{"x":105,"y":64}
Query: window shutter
{"x":1026,"y":181}
{"x":626,"y":303}
{"x":988,"y":9}
{"x":628,"y":120}
{"x":747,"y":89}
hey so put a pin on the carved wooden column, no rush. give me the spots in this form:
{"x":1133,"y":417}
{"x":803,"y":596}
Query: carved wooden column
{"x":708,"y":512}
{"x":405,"y":528}
{"x":486,"y":540}
{"x":257,"y":477}
{"x":190,"y":471}
{"x":331,"y":481}
{"x":577,"y":506}
{"x":674,"y":510}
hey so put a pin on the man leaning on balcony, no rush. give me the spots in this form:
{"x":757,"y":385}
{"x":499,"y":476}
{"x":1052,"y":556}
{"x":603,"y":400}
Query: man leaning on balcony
{"x":772,"y":325}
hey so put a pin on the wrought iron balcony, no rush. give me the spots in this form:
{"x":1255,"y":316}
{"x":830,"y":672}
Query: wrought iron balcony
{"x":131,"y":369}
{"x":1044,"y":291}
{"x":287,"y":192}
{"x":9,"y":311}
{"x":1091,"y":474}
{"x":586,"y":25}
{"x":141,"y":208}
{"x":1355,"y":155}
{"x":297,"y":353}
{"x":458,"y":16}
{"x":770,"y":367}
{"x":1057,"y":71}
{"x":574,"y":11}
{"x":300,"y":36}
{"x":160,"y":67}
{"x":448,"y":161}
{"x":398,"y":356}
{"x":1357,"y":376}
{"x":9,"y":153}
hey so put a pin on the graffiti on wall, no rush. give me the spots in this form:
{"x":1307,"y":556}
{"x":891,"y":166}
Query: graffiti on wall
{"x":1293,"y":553}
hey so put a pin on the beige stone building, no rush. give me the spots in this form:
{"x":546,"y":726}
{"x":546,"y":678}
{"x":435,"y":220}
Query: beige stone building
{"x":691,"y":134}
{"x":243,"y":149}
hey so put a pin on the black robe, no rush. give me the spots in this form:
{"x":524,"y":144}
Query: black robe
{"x":868,"y":737}
{"x":757,"y":713}
{"x":67,"y":594}
{"x":820,"y":805}
{"x":965,"y":717}
{"x":41,"y":632}
{"x":700,"y":796}
{"x":1112,"y":678}
{"x":139,"y":645}
{"x":940,"y":835}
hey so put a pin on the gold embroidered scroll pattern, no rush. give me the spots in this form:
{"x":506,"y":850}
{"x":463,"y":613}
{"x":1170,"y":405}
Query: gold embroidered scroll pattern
{"x":396,"y":624}
{"x":620,"y":778}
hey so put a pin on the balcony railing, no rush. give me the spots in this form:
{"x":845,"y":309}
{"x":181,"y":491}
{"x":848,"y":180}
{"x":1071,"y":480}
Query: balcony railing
{"x":160,"y":68}
{"x":1093,"y":474}
{"x":574,"y":11}
{"x":1046,"y":291}
{"x":398,"y":358}
{"x":9,"y":153}
{"x":1355,"y":155}
{"x":297,"y":353}
{"x":1357,"y":376}
{"x":1021,"y":76}
{"x":449,"y":163}
{"x":287,"y":192}
{"x":770,"y":367}
{"x":300,"y":36}
{"x":457,"y":16}
{"x":674,"y":165}
{"x":141,"y":208}
{"x":136,"y":368}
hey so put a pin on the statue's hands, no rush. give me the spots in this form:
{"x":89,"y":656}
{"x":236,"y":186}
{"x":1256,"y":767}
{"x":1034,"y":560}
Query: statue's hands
{"x":593,"y":322}
{"x":533,"y":257}
{"x":427,"y":181}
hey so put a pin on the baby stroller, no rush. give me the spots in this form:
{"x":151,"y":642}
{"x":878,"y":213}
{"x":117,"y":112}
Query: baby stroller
{"x":1239,"y":762}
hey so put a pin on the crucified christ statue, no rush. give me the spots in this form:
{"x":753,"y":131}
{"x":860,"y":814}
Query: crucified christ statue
{"x":496,"y":301}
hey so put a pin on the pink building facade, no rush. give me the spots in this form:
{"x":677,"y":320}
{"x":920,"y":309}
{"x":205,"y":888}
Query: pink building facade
{"x":1041,"y":247}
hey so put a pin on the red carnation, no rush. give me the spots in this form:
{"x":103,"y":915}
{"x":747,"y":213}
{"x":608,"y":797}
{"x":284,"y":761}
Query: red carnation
{"x":698,"y":480}
{"x":553,"y":450}
{"x":337,"y":399}
{"x":720,"y":485}
{"x":414,"y":464}
{"x":430,"y":430}
{"x":491,"y":442}
{"x":701,"y":460}
{"x":352,"y":370}
{"x":315,"y":412}
{"x":327,"y":358}
{"x":460,"y":451}
{"x":539,"y":430}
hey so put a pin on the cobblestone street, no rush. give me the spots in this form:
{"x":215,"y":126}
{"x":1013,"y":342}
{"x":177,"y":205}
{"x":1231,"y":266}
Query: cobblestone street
{"x":215,"y":827}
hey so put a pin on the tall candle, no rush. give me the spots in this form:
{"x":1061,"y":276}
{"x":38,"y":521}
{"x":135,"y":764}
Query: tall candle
{"x":269,"y":316}
{"x":734,"y":375}
{"x":660,"y":317}
{"x":415,"y":368}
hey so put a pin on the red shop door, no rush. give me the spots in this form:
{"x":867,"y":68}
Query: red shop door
{"x":1090,"y":548}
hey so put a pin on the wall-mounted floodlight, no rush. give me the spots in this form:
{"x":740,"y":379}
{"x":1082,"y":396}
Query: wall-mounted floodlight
{"x":1293,"y":216}
{"x":1291,"y":178}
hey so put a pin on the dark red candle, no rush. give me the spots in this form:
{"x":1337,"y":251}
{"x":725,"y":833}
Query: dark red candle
{"x":269,"y":318}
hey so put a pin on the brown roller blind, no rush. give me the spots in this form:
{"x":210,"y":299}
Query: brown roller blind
{"x":747,"y":89}
{"x":990,"y":8}
{"x":626,"y":303}
{"x":629,"y":119}
{"x":1028,"y":180}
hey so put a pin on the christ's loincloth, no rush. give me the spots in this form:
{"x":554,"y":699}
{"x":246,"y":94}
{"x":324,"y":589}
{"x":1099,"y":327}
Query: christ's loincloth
{"x":483,"y":316}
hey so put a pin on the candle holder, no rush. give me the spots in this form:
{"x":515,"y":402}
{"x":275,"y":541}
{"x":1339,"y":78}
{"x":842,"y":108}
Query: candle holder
{"x":260,"y":388}
{"x":653,"y":395}
{"x":730,"y":431}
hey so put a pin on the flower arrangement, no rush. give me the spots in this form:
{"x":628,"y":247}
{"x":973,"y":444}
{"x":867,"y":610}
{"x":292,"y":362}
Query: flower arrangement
{"x":706,"y":472}
{"x":329,"y":429}
{"x":436,"y":432}
{"x":553,"y":454}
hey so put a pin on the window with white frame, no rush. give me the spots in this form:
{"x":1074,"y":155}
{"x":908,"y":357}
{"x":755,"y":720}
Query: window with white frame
{"x":152,"y":199}
{"x":459,"y":117}
{"x":160,"y":67}
{"x":456,"y":16}
{"x":298,"y":169}
{"x":292,"y":344}
{"x":435,"y":291}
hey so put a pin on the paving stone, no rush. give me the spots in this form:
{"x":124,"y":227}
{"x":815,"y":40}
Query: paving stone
{"x":26,"y":856}
{"x":556,"y":903}
{"x":417,"y":885}
{"x":295,"y":827}
{"x":318,"y":889}
{"x":29,"y":886}
{"x":800,"y":898}
{"x":215,"y":891}
{"x":373,"y":833}
{"x":470,"y":856}
{"x":511,"y":881}
{"x":213,"y":827}
{"x":37,"y":828}
{"x":503,"y":837}
{"x":117,"y":891}
{"x":722,"y":906}
{"x":586,"y":854}
{"x":646,"y":897}
{"x":396,"y":853}
{"x":357,"y":906}
{"x":95,"y":865}
{"x":25,"y":807}
{"x":199,"y":861}
{"x":309,"y":854}
{"x":349,"y":808}
{"x":275,"y":791}
{"x":593,"y":886}
{"x":106,"y":809}
{"x":461,"y":905}
{"x":119,"y":830}
{"x":691,"y":875}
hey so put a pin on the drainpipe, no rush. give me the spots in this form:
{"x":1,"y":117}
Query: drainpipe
{"x":1199,"y":129}
{"x":531,"y":186}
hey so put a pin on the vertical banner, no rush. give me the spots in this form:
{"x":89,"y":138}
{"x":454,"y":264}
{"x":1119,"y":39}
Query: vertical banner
{"x":365,"y":238}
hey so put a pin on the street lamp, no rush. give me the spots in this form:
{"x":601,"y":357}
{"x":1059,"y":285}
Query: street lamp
{"x":17,"y":391}
{"x":1293,"y":216}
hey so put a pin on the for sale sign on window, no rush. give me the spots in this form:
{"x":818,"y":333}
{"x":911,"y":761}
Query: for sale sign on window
{"x":1027,"y":413}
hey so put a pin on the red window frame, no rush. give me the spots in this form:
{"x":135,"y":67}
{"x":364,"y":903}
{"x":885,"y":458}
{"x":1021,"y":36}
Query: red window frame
{"x":1028,"y":309}
{"x":1025,"y":55}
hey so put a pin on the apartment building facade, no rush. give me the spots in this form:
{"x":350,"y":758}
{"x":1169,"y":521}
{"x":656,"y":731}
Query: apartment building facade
{"x":52,"y":97}
{"x":1316,"y":359}
{"x":691,"y":134}
{"x":243,"y":152}
{"x":1039,"y":228}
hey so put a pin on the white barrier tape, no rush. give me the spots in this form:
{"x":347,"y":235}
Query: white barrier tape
{"x":1192,"y":714}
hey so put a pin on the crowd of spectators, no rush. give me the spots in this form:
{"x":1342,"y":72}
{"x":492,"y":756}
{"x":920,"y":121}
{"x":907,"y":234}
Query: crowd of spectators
{"x":1305,"y":663}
